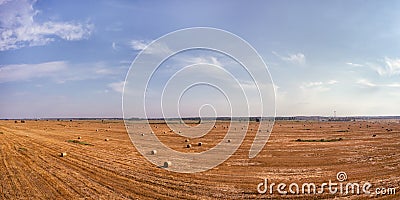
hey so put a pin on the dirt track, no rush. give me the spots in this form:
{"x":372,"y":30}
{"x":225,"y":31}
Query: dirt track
{"x":31,"y":166}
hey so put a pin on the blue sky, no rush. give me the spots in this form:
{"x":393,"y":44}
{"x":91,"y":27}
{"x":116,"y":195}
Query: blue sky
{"x":69,"y":59}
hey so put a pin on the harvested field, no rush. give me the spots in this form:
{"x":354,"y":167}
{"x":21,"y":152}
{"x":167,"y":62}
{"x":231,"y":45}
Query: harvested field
{"x":97,"y":168}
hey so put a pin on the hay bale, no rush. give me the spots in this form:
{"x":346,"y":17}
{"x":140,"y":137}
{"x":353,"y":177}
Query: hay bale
{"x":142,"y":134}
{"x":22,"y":121}
{"x":374,"y":135}
{"x":167,"y":164}
{"x":79,"y":137}
{"x":63,"y":154}
{"x":188,"y":146}
{"x":153,"y":152}
{"x":187,"y":140}
{"x":199,"y":144}
{"x":97,"y":130}
{"x":229,"y":141}
{"x":106,"y":139}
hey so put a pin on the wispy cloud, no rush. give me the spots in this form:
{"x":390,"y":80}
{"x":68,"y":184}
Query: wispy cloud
{"x":157,"y":48}
{"x":114,"y":46}
{"x":391,"y":67}
{"x":23,"y":72}
{"x":331,"y":82}
{"x":318,"y":85}
{"x":386,"y":67}
{"x":367,"y":83}
{"x":19,"y":28}
{"x":190,"y":59}
{"x":297,"y":58}
{"x":59,"y":71}
{"x":117,"y":86}
{"x":354,"y":64}
{"x":138,"y":45}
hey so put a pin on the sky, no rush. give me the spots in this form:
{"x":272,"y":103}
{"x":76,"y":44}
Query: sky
{"x":70,"y":58}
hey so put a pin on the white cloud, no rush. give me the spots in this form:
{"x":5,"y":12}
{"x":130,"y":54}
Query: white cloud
{"x":354,"y":64}
{"x":331,"y":82}
{"x":386,"y":67}
{"x":158,"y":48}
{"x":23,"y":72}
{"x":114,"y":46}
{"x":59,"y":71}
{"x":200,"y":59}
{"x":395,"y":85}
{"x":312,"y":84}
{"x":19,"y":28}
{"x":392,"y":66}
{"x":365,"y":82}
{"x":297,"y":58}
{"x":117,"y":86}
{"x":138,"y":45}
{"x":318,"y":86}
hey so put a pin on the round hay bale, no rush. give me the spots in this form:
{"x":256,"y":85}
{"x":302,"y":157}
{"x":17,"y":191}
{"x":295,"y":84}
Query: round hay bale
{"x":187,"y":140}
{"x":199,"y":144}
{"x":153,"y":152}
{"x":188,"y":146}
{"x":142,"y":134}
{"x":63,"y":154}
{"x":106,"y":139}
{"x":79,"y":137}
{"x":229,"y":141}
{"x":97,"y":130}
{"x":167,"y":164}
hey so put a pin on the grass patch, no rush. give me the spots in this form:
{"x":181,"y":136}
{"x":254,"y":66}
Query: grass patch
{"x":79,"y":142}
{"x":342,"y":131}
{"x":320,"y":140}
